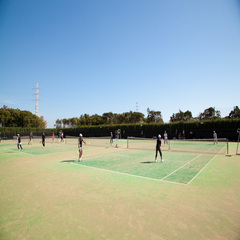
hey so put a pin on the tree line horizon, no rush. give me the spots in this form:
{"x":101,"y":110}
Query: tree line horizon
{"x":137,"y":117}
{"x":10,"y":117}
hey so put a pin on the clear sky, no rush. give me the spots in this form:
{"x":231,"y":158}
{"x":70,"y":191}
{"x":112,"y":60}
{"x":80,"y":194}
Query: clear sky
{"x":98,"y":56}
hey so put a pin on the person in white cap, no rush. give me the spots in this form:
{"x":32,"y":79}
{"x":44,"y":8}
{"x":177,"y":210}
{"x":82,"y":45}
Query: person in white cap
{"x":80,"y":141}
{"x":158,"y":148}
{"x":19,"y":145}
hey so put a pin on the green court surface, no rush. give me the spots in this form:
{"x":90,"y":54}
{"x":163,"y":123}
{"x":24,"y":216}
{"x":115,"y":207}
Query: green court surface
{"x":118,"y":193}
{"x":179,"y":168}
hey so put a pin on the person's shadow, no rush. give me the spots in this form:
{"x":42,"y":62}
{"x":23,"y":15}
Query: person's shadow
{"x":68,"y":161}
{"x":148,"y":162}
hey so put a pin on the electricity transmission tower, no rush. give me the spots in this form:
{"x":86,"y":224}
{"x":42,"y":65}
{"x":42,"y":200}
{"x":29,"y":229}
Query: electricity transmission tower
{"x":36,"y":100}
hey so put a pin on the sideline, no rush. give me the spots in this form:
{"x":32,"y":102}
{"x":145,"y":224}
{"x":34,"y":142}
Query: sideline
{"x":182,"y":166}
{"x":201,"y":169}
{"x":17,"y":151}
{"x":127,"y":174}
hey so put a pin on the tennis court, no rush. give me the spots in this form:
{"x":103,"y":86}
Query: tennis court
{"x":118,"y":192}
{"x":177,"y":168}
{"x":133,"y":157}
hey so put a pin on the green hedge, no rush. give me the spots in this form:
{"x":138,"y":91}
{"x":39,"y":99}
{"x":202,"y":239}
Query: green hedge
{"x":225,"y":129}
{"x":10,"y":132}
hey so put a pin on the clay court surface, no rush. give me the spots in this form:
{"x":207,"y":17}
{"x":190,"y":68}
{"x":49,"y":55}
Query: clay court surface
{"x":117,"y":193}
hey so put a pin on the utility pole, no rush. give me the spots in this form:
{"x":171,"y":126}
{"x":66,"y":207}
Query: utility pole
{"x":36,"y":100}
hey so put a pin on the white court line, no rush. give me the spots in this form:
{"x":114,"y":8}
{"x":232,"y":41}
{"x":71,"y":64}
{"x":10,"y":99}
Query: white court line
{"x":29,"y":153}
{"x":201,"y":170}
{"x":18,"y":151}
{"x":181,"y":167}
{"x":127,"y":174}
{"x":222,"y":148}
{"x":215,"y":145}
{"x":159,"y":180}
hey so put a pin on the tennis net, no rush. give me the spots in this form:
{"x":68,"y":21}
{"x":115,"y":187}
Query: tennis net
{"x":98,"y":141}
{"x":193,"y":145}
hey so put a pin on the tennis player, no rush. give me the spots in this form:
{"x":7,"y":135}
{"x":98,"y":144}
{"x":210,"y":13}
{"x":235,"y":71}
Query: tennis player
{"x":158,"y":148}
{"x":30,"y":138}
{"x":111,"y":139}
{"x":165,"y":137}
{"x":43,"y":139}
{"x":19,"y":145}
{"x":53,"y":137}
{"x":80,"y":141}
{"x":215,"y":141}
{"x":62,"y":137}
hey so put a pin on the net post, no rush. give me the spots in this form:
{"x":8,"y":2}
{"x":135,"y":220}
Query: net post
{"x":227,"y":147}
{"x":127,"y":141}
{"x":237,"y":150}
{"x":238,"y":131}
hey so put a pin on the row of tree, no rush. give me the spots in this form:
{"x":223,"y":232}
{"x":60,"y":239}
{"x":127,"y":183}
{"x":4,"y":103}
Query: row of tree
{"x":10,"y":117}
{"x":208,"y":114}
{"x":137,"y":117}
{"x":16,"y":118}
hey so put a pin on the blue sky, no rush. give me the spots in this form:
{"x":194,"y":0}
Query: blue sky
{"x":98,"y":56}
